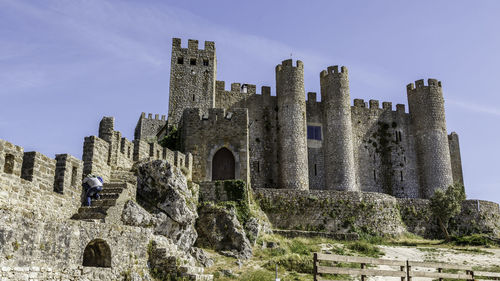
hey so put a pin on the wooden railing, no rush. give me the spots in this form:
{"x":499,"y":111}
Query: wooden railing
{"x":325,"y":264}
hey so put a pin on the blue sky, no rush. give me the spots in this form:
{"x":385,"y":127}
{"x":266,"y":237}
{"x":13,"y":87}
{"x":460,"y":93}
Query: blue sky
{"x":65,"y":64}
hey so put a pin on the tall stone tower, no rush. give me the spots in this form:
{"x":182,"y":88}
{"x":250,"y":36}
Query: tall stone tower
{"x":339,"y":150}
{"x":192,"y":78}
{"x":292,"y":142}
{"x":426,"y":105}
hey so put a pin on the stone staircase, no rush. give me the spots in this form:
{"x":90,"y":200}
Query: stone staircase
{"x":98,"y":210}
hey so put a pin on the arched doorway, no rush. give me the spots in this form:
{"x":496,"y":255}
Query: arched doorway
{"x":97,"y":254}
{"x":223,"y":165}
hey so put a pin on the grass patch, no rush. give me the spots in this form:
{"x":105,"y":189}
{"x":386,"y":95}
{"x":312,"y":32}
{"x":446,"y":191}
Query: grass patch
{"x":365,"y":249}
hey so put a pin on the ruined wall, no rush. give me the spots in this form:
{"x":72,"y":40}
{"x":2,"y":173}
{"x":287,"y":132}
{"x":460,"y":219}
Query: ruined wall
{"x":192,"y":78}
{"x":204,"y":135}
{"x":148,"y":127}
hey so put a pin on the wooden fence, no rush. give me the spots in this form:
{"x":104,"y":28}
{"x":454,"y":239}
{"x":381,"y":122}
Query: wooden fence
{"x":325,"y":265}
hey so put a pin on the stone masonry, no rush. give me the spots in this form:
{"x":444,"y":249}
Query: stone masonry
{"x":325,"y":145}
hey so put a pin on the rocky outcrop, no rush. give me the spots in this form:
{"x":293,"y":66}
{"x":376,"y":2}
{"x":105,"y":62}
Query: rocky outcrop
{"x":218,"y":228}
{"x":169,"y":200}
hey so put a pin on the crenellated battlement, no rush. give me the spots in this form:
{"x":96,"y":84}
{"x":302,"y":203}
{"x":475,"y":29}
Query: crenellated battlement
{"x":420,"y":84}
{"x":193,"y":45}
{"x":375,"y":105}
{"x":236,"y":88}
{"x":62,"y":174}
{"x":288,"y":64}
{"x":334,"y":70}
{"x":150,"y":116}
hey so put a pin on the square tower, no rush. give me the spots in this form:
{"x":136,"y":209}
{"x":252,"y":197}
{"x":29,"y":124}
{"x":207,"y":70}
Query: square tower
{"x":192,"y":78}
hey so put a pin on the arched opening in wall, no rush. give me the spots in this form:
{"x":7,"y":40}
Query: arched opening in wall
{"x":8,"y":166}
{"x":223,"y":165}
{"x":97,"y":254}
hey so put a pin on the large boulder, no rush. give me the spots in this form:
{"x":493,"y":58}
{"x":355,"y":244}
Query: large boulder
{"x":164,"y":192}
{"x":218,"y":228}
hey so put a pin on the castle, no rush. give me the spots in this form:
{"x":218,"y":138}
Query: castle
{"x":298,"y":155}
{"x":288,"y":142}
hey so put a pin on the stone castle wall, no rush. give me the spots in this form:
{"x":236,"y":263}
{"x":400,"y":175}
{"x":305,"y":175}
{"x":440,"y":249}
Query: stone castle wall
{"x":370,"y":212}
{"x":148,"y":127}
{"x":204,"y":135}
{"x":36,"y":186}
{"x":49,"y":249}
{"x":367,"y":148}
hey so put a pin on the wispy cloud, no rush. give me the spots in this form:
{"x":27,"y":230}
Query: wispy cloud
{"x":479,"y":108}
{"x":127,"y":31}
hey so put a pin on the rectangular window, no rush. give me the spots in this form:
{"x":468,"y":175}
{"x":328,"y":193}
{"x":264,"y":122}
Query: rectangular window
{"x":192,"y":61}
{"x":180,"y":60}
{"x":314,"y":132}
{"x":205,"y":62}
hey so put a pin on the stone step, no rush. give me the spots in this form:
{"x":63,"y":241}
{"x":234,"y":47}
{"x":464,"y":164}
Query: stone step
{"x":111,"y":191}
{"x":89,"y":216}
{"x":92,"y":209}
{"x":103,"y":202}
{"x":115,"y":185}
{"x":191,"y":269}
{"x":198,"y":277}
{"x":109,"y":195}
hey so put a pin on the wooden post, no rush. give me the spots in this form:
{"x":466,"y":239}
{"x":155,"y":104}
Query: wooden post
{"x":471,"y":274}
{"x":402,"y":268}
{"x":408,"y":270}
{"x":363,"y":277}
{"x":315,"y":267}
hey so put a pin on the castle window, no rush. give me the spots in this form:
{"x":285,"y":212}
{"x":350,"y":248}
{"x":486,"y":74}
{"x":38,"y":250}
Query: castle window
{"x":74,"y":172}
{"x":180,"y":60}
{"x":399,"y":134}
{"x":192,"y":61}
{"x":8,"y":167}
{"x":258,"y":167}
{"x":315,"y":169}
{"x":401,"y":173}
{"x":374,"y":175}
{"x":205,"y":62}
{"x":193,"y":97}
{"x":314,"y":132}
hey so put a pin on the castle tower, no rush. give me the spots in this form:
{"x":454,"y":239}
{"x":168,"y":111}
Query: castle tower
{"x":292,"y":142}
{"x":192,"y":78}
{"x":426,"y":105}
{"x":338,"y":144}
